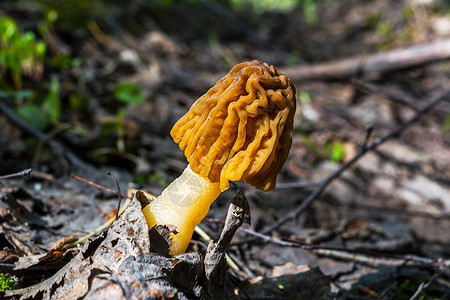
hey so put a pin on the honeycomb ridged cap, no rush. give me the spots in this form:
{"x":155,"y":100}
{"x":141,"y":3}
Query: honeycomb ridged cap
{"x":241,"y":129}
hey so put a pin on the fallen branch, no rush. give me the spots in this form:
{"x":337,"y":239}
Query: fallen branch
{"x":377,"y":63}
{"x":372,"y":259}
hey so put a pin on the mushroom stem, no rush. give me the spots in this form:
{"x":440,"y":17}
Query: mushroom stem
{"x":184,"y":203}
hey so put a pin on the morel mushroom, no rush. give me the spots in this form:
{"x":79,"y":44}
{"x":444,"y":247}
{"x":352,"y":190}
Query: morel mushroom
{"x":239,"y":130}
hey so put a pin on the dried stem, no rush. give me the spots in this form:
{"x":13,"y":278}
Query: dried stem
{"x":97,"y":185}
{"x":373,"y":259}
{"x":18,"y":174}
{"x":424,"y":285}
{"x":118,"y":193}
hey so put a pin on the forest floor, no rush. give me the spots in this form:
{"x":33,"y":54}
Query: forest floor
{"x":364,"y":196}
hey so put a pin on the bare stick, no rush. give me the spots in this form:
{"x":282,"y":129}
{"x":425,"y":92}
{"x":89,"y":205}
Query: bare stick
{"x":97,"y":185}
{"x":424,"y":285}
{"x":18,"y":174}
{"x":373,"y":259}
{"x":393,"y":134}
{"x":119,"y":194}
{"x":369,"y":130}
{"x":377,"y":63}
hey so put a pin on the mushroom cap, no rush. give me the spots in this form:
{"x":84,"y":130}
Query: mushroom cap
{"x":241,"y":128}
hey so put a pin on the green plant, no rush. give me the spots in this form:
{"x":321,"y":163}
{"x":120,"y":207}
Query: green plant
{"x":261,"y":6}
{"x":159,"y":177}
{"x":446,"y":125}
{"x":337,"y":152}
{"x":304,"y":97}
{"x":52,"y":102}
{"x":39,"y":114}
{"x":409,"y":12}
{"x":386,"y":32}
{"x":408,"y":287}
{"x":129,"y":92}
{"x":310,"y":11}
{"x":371,"y":20}
{"x":8,"y":282}
{"x":19,"y":52}
{"x":34,"y":116}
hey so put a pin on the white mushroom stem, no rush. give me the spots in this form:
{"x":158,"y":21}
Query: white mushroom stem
{"x":184,"y":203}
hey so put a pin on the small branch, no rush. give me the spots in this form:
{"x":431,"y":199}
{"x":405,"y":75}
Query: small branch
{"x":97,"y":185}
{"x":424,"y":285}
{"x":377,"y":63}
{"x":373,"y":259}
{"x":369,"y":130}
{"x":118,"y":193}
{"x":393,"y":134}
{"x":370,"y":88}
{"x":18,"y":174}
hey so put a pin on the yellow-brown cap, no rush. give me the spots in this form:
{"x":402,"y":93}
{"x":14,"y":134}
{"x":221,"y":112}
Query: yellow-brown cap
{"x":241,"y":128}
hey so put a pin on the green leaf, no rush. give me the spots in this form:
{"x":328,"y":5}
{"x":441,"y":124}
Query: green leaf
{"x":65,"y":61}
{"x":34,"y":116}
{"x":304,"y":97}
{"x":8,"y":29}
{"x":310,"y":11}
{"x":52,"y":103}
{"x":337,"y":152}
{"x":129,"y":92}
{"x":446,"y":125}
{"x":78,"y":101}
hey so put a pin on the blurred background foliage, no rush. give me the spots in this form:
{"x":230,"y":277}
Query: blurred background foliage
{"x":46,"y":77}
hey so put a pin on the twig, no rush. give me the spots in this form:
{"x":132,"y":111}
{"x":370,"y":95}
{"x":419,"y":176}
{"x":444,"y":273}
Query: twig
{"x":424,"y":285}
{"x":377,"y":63}
{"x":394,"y":95}
{"x":97,"y":185}
{"x":403,"y":99}
{"x":369,"y":130}
{"x":57,"y":147}
{"x":393,"y":134}
{"x":373,"y":259}
{"x":18,"y":174}
{"x":119,"y":194}
{"x":241,"y":265}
